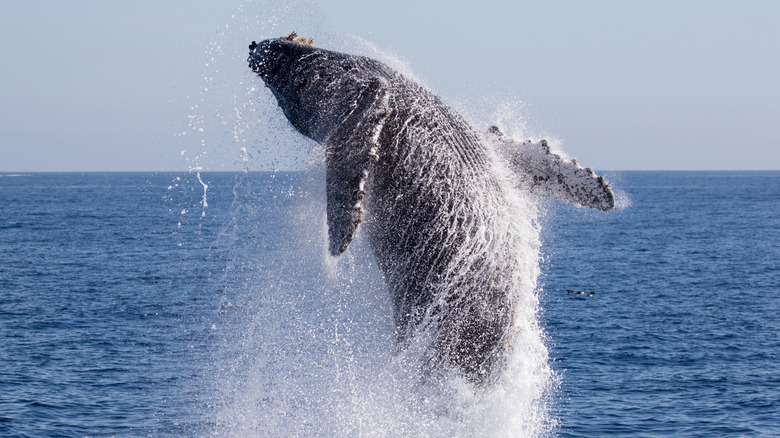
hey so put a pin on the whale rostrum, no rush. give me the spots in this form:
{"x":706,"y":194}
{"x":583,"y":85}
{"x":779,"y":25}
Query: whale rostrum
{"x":423,"y":184}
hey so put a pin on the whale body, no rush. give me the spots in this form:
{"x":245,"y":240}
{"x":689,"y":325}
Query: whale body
{"x":423,"y":183}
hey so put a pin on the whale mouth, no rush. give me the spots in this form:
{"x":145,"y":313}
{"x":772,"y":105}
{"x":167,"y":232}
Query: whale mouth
{"x":257,"y":58}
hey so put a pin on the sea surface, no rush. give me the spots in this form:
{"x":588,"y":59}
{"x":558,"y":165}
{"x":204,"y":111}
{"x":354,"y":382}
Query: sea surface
{"x":125,"y":300}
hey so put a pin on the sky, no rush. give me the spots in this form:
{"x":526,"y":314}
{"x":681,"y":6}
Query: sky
{"x":153,"y":86}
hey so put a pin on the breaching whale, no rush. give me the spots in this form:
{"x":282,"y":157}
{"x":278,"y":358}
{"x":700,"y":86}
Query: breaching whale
{"x":424,"y":185}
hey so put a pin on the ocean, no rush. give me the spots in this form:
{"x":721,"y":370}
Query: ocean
{"x":166,"y":304}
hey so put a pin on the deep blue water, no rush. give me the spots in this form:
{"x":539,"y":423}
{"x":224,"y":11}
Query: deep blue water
{"x":112,"y":286}
{"x":681,"y":337}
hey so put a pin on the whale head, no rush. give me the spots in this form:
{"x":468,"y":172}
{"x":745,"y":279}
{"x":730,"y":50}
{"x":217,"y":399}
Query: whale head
{"x":316,"y":88}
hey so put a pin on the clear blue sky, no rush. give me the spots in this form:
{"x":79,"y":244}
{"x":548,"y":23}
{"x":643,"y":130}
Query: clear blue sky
{"x":95,"y":85}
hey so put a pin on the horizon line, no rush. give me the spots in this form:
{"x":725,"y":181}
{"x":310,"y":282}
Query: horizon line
{"x":18,"y":172}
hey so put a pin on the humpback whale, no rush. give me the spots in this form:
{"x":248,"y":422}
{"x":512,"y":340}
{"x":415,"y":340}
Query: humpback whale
{"x":422,"y":182}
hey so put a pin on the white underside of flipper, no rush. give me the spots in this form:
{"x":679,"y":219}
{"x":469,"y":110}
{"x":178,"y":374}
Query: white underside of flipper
{"x":547,"y":174}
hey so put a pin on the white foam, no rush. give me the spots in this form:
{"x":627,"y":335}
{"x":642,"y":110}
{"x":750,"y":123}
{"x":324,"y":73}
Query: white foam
{"x":306,"y":346}
{"x":314,"y":353}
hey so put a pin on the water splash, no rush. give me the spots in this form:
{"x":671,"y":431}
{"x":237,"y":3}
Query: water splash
{"x":204,"y":201}
{"x":306,"y":343}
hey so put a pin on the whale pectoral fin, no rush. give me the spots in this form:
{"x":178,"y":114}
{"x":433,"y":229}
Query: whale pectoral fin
{"x":345,"y":194}
{"x":350,"y":155}
{"x":547,"y":174}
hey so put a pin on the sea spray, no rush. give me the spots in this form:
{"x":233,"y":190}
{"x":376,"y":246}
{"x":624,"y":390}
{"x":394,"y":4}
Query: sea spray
{"x":306,"y":342}
{"x":308,"y":346}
